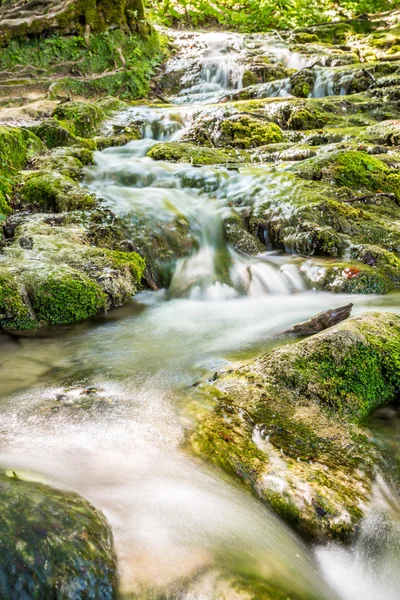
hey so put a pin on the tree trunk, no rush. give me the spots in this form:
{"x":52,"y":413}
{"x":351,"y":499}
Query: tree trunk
{"x":32,"y":17}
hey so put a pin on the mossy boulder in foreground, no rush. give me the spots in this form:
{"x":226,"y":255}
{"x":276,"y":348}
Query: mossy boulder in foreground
{"x":54,"y":545}
{"x":290,"y":424}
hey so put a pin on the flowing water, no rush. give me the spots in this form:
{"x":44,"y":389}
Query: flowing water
{"x":182,"y":530}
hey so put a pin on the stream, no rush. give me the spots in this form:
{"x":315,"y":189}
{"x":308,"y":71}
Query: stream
{"x":183,"y":531}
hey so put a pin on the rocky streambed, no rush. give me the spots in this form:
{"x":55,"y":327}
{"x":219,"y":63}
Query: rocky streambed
{"x":229,"y":458}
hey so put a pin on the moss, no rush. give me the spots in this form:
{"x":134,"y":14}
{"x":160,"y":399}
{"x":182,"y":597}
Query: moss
{"x":185,"y":152}
{"x":130,"y":260}
{"x":249,"y":78}
{"x":84,"y":117}
{"x":66,"y":297}
{"x":347,"y":278}
{"x":60,"y":543}
{"x":288,"y":424}
{"x":51,"y":191}
{"x":305,"y":38}
{"x":354,"y":169}
{"x":54,"y":134}
{"x":14,"y":309}
{"x":245,"y":132}
{"x":237,"y":234}
{"x":303,"y":119}
{"x":302,"y":83}
{"x":16,"y":147}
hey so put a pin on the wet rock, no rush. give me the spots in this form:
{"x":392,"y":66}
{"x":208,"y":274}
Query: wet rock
{"x":354,"y":169}
{"x":302,"y":83}
{"x":54,"y":544}
{"x":189,"y":153}
{"x":61,"y":279}
{"x":345,"y":277}
{"x":243,"y":131}
{"x":290,"y":424}
{"x":52,"y":191}
{"x":82,"y":118}
{"x":237,"y":234}
{"x":54,"y":134}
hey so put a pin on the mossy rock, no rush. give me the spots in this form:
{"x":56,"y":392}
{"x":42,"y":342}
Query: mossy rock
{"x":245,"y":132}
{"x":301,"y":119}
{"x":84,"y":118}
{"x":159,"y":242}
{"x":189,"y":153}
{"x":54,"y":134}
{"x":64,"y":297}
{"x":291,"y":423}
{"x":241,"y":239}
{"x":51,"y":275}
{"x":350,"y":277}
{"x":52,"y":191}
{"x":354,"y":169}
{"x":54,"y":544}
{"x":302,"y":83}
{"x":17,"y":146}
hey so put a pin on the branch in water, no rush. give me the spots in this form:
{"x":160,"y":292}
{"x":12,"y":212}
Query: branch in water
{"x":325,"y":319}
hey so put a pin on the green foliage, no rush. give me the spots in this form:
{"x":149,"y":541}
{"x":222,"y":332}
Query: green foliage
{"x":67,"y":297}
{"x":100,"y":65}
{"x":256,"y":15}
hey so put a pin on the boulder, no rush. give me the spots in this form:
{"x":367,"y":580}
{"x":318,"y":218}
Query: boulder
{"x":54,"y":545}
{"x":291,"y":424}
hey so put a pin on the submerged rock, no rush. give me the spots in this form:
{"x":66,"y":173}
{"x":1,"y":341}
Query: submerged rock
{"x":54,"y":545}
{"x":290,"y":424}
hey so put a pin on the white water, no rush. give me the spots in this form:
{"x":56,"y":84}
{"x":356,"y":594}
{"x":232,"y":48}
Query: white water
{"x":181,"y":530}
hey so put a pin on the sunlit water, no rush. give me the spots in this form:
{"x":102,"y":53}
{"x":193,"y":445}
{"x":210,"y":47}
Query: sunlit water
{"x":182,"y":531}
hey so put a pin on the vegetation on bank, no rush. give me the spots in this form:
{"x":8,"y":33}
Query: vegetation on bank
{"x":111,"y":63}
{"x":256,"y":15}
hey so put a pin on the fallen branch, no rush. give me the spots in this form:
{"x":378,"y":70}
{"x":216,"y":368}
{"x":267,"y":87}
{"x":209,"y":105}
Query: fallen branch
{"x":367,"y":197}
{"x":325,"y":319}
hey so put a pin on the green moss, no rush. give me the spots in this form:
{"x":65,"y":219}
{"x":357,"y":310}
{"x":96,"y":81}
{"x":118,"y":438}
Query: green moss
{"x":60,"y":543}
{"x":302,"y":83}
{"x":303,"y":119}
{"x":354,"y":169}
{"x":245,"y":132}
{"x":66,"y":297}
{"x":16,"y":147}
{"x":352,"y":378}
{"x":249,"y":78}
{"x":14,"y":311}
{"x":130,"y":260}
{"x":185,"y":152}
{"x":288,"y":424}
{"x":84,"y":117}
{"x":52,"y":191}
{"x":54,"y":134}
